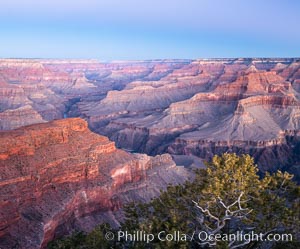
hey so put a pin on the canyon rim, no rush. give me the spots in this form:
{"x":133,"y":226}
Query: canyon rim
{"x":80,"y":138}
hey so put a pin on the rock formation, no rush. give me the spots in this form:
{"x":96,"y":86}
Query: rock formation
{"x":245,"y":106}
{"x":58,"y":176}
{"x":197,"y":107}
{"x":34,"y":91}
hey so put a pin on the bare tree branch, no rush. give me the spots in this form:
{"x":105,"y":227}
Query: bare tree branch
{"x":220,"y":222}
{"x":206,"y":211}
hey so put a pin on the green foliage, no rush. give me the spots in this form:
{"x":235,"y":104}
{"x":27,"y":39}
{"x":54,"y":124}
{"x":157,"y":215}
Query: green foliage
{"x":229,"y":175}
{"x":279,"y":203}
{"x":93,"y":240}
{"x":270,"y":204}
{"x":71,"y":242}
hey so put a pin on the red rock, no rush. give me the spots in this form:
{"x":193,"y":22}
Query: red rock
{"x":245,"y":106}
{"x":149,"y":106}
{"x":58,"y":173}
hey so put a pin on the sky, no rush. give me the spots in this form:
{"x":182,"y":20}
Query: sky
{"x":144,"y":29}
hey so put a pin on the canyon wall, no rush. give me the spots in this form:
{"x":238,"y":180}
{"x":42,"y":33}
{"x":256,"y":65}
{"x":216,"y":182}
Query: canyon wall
{"x":247,"y":105}
{"x":59,"y":176}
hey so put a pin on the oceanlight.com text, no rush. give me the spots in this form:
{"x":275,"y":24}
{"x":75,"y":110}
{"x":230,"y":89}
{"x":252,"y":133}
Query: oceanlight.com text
{"x":199,"y":236}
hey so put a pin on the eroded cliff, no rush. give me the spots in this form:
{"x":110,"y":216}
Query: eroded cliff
{"x":197,"y":107}
{"x":59,"y":176}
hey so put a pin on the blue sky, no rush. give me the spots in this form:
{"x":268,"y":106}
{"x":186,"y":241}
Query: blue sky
{"x":142,"y":29}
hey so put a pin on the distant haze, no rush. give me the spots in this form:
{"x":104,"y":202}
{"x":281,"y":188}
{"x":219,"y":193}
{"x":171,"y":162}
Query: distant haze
{"x":144,"y":29}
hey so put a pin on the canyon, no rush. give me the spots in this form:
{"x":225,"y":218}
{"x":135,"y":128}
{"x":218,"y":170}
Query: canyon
{"x":80,"y":138}
{"x":182,"y":107}
{"x":57,"y":177}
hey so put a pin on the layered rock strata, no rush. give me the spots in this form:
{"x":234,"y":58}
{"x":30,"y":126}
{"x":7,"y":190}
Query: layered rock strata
{"x":60,"y":176}
{"x":160,"y":106}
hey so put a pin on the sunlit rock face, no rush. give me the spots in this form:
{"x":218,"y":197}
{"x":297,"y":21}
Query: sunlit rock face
{"x":189,"y":107}
{"x":59,"y":176}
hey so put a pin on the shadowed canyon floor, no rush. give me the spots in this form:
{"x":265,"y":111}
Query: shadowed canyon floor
{"x":183,"y":107}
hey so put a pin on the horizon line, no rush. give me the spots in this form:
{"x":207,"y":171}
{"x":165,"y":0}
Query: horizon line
{"x":157,"y":59}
